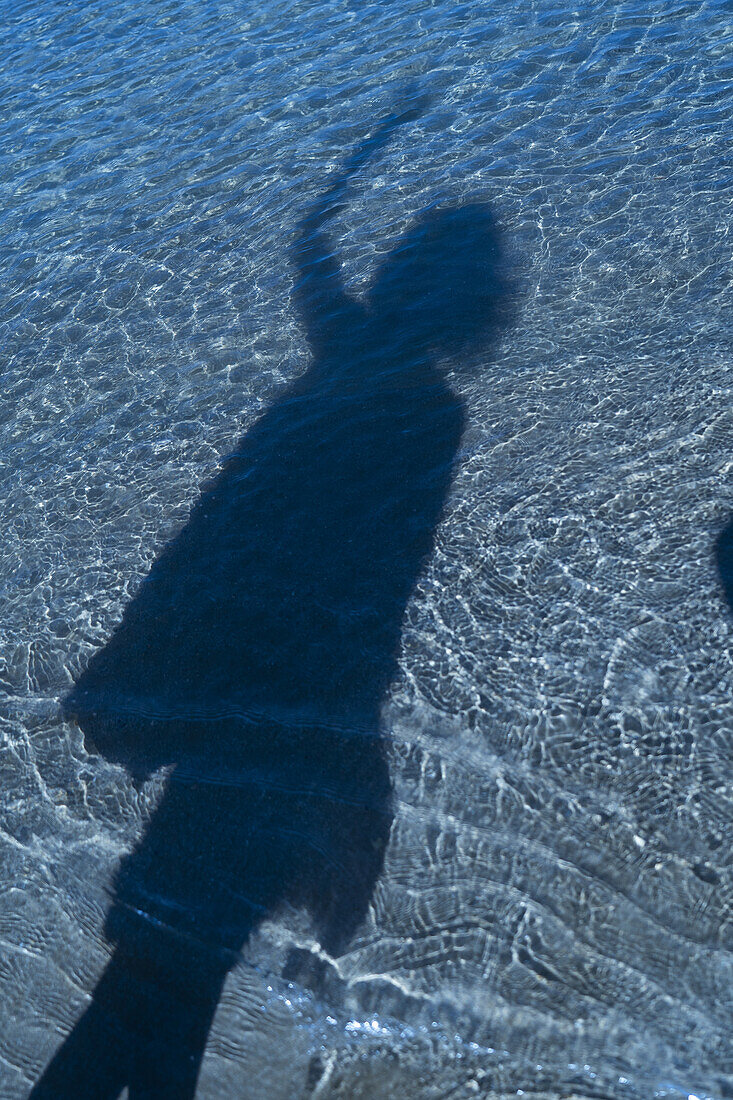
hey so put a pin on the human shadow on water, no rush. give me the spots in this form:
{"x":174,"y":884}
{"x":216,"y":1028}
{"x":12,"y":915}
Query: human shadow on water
{"x":255,"y":655}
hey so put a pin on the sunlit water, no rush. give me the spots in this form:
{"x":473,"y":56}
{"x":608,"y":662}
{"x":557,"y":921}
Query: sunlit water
{"x":553,"y":914}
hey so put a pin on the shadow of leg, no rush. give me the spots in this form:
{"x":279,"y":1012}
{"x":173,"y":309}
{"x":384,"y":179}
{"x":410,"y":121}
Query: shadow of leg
{"x":91,"y":1065}
{"x":146,"y":1029}
{"x":341,"y":888}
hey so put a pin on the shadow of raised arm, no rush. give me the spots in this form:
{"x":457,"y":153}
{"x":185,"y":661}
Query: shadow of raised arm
{"x":319,"y":293}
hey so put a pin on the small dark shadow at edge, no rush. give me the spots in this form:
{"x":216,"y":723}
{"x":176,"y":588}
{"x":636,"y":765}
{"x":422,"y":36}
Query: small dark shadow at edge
{"x":724,"y":561}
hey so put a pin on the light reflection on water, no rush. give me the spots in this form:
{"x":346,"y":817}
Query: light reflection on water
{"x":553,"y":912}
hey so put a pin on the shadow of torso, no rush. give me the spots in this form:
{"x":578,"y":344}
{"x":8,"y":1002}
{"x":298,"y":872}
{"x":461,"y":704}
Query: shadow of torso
{"x":256,"y":653}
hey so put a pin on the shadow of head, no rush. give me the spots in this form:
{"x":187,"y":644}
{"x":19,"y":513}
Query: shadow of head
{"x":444,"y":286}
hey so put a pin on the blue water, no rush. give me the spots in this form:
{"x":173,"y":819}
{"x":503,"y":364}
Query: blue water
{"x":366,"y":625}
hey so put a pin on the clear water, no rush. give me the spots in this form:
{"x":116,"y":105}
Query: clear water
{"x":551,"y":914}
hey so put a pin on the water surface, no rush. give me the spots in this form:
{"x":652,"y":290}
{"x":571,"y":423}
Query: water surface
{"x":549,"y":709}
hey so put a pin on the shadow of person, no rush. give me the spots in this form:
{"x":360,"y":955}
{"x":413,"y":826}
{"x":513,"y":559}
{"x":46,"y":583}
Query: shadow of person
{"x":255,"y":655}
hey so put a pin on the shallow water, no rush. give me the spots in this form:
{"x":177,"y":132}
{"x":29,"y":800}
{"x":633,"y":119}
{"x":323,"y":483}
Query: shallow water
{"x":552,"y":911}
